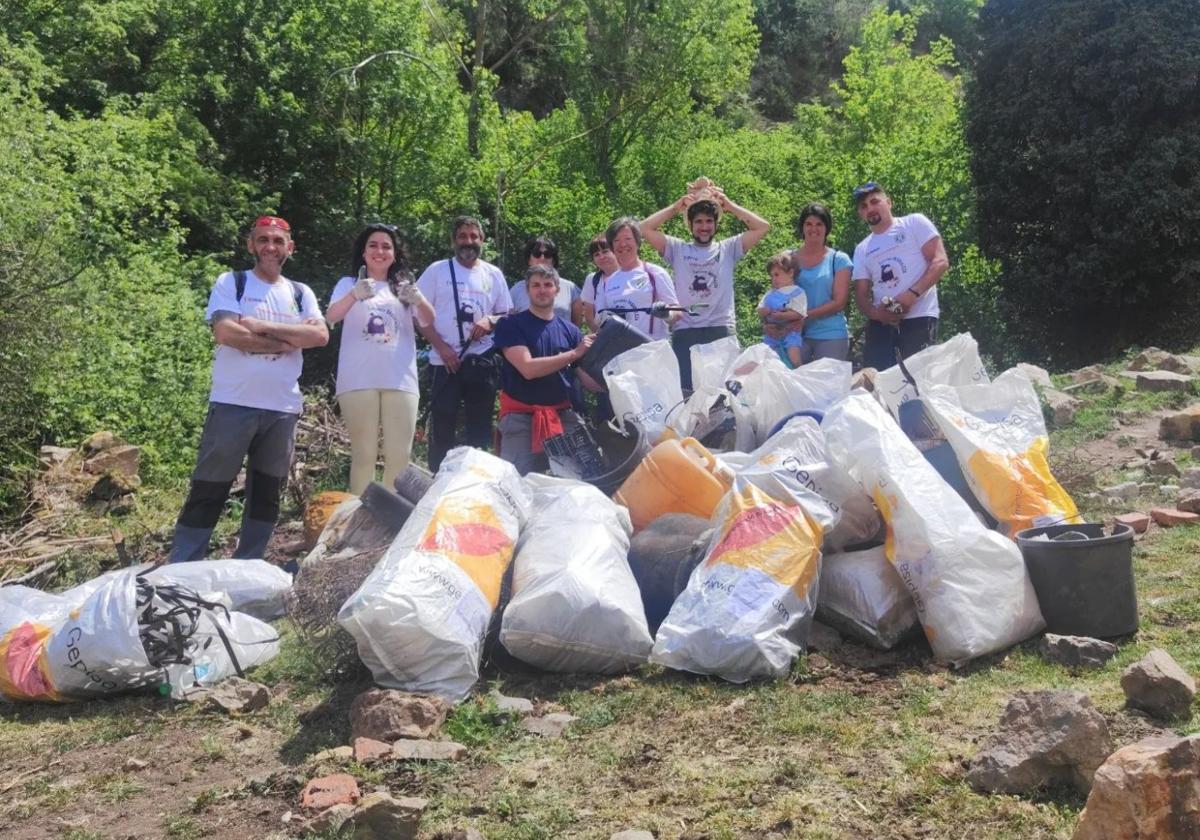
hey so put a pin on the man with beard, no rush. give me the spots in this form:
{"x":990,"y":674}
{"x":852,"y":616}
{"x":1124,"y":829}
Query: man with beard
{"x":468,"y":296}
{"x":896,"y":270}
{"x":261,"y":321}
{"x":703,"y":268}
{"x":539,"y":396}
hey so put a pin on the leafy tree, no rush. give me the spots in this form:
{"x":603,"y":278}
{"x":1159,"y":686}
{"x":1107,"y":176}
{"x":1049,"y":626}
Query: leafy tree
{"x":1087,"y":171}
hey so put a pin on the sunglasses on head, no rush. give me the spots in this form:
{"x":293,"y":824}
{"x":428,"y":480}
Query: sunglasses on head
{"x":866,"y":189}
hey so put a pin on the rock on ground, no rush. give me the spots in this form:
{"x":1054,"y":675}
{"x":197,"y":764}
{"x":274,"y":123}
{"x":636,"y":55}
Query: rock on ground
{"x":1076,"y":651}
{"x":378,"y":816}
{"x":1188,"y":501}
{"x":552,"y":725}
{"x":1163,"y":380}
{"x":1062,"y":406}
{"x":1182,"y":425}
{"x":1170,"y":517}
{"x":632,"y":834}
{"x":412,"y":749}
{"x":1045,"y":738}
{"x":512,"y":706}
{"x":1156,"y":684}
{"x":99,"y":441}
{"x":1150,"y":789}
{"x":1125,"y":491}
{"x":367,"y":750}
{"x":1190,"y":478}
{"x":1162,"y":468}
{"x":386,"y":714}
{"x":327,"y":791}
{"x":238,"y":696}
{"x":122,"y":458}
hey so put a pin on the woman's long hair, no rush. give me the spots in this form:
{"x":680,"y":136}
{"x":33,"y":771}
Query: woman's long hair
{"x":400,"y":271}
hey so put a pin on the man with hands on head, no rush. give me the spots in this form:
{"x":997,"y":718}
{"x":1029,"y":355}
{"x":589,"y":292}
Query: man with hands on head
{"x":261,"y":321}
{"x":539,"y":396}
{"x":896,"y":271}
{"x":469,"y":296}
{"x":703,"y":268}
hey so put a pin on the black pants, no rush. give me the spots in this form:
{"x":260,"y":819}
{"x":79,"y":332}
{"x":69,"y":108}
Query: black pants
{"x":883,"y":340}
{"x":450,"y":391}
{"x":682,"y":342}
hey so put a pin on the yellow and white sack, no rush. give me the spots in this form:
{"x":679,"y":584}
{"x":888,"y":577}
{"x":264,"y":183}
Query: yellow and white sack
{"x":955,"y":361}
{"x":969,"y":584}
{"x":421,"y":615}
{"x":747,"y":608}
{"x":999,"y":438}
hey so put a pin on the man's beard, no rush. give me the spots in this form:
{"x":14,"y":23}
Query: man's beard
{"x":874,"y":218}
{"x":467,"y":253}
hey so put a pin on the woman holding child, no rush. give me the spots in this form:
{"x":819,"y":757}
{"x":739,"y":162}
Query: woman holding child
{"x":824,"y":275}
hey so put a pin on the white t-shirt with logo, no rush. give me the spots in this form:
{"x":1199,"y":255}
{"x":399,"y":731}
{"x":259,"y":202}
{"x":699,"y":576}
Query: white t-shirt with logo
{"x":379,"y":350}
{"x":893,"y":261}
{"x":481,"y":291}
{"x":704,"y":274}
{"x":259,"y":380}
{"x":633,"y":289}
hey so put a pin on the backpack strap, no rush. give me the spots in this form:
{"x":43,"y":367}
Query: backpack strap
{"x":239,"y":284}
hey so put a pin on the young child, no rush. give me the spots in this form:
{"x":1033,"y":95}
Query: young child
{"x":785,"y":305}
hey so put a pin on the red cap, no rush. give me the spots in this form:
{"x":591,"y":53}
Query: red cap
{"x":273,"y":221}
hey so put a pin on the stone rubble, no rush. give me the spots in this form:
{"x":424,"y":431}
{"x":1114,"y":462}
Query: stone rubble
{"x":1157,"y":685}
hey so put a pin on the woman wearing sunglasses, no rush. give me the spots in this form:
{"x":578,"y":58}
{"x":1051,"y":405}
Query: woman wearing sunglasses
{"x":377,"y":361}
{"x":541,"y":250}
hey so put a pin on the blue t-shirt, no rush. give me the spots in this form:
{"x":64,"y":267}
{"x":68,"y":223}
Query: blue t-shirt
{"x":817,"y":283}
{"x":543,"y":338}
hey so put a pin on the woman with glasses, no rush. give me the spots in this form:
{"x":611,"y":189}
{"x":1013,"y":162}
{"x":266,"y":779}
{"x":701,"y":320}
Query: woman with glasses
{"x":541,"y":250}
{"x":377,"y":361}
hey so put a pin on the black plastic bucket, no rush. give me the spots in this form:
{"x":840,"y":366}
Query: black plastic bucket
{"x":1085,"y":587}
{"x":604,"y":458}
{"x":615,"y":336}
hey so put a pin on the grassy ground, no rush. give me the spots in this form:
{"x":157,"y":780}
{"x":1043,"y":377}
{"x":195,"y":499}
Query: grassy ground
{"x":854,"y":743}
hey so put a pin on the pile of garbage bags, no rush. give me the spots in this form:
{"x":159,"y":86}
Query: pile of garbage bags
{"x":769,"y":497}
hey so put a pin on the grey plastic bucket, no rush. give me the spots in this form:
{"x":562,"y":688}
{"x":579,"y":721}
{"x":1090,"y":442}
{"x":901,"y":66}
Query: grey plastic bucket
{"x":1085,"y":587}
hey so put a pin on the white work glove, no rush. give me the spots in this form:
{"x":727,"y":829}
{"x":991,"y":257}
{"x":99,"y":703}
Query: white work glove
{"x":659,"y":309}
{"x":409,"y":294}
{"x":364,"y":289}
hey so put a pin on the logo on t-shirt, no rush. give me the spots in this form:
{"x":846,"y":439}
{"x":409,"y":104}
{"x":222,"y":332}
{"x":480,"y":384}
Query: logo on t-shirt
{"x":380,"y":327}
{"x":704,"y":283}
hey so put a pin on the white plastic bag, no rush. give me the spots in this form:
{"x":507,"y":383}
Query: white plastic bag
{"x":747,"y":607}
{"x":767,"y":391}
{"x":969,"y":584}
{"x":795,"y":457}
{"x":254,"y":587}
{"x":711,"y":364}
{"x":953,"y":362}
{"x":250,"y":641}
{"x":575,"y":605}
{"x":862,"y":595}
{"x":420,"y":617}
{"x":643,"y":386}
{"x":999,"y":438}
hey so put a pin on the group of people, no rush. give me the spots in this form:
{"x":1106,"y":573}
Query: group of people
{"x":520,"y":344}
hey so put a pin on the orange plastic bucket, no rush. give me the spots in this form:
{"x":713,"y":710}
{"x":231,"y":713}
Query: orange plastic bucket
{"x":677,"y":476}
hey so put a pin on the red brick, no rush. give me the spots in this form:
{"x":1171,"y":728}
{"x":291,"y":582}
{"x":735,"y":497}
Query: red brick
{"x":367,"y":750}
{"x":1169,"y":517}
{"x":327,"y":791}
{"x":1139,"y":522}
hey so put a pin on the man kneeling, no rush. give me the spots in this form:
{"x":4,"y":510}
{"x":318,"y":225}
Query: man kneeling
{"x":538,"y":395}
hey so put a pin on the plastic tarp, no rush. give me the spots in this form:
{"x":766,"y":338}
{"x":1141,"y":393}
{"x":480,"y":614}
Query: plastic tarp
{"x":766,"y":391}
{"x":747,"y":607}
{"x":955,"y":361}
{"x":420,"y":617}
{"x":643,"y":386}
{"x":796,"y":458}
{"x":863,"y":596}
{"x":999,"y":438}
{"x":969,"y":584}
{"x":575,"y":605}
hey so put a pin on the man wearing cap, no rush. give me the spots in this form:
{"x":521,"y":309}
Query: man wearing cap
{"x":703,"y":268}
{"x":539,"y":396}
{"x":469,"y":296}
{"x":261,"y":321}
{"x":896,"y":270}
